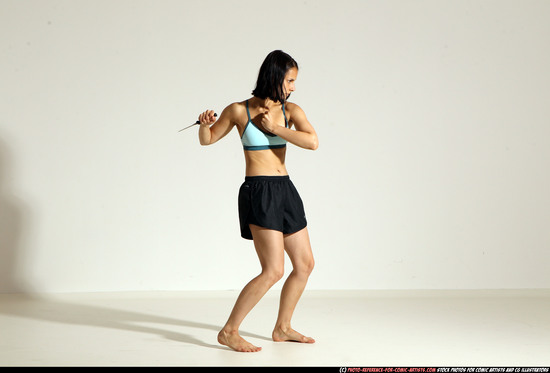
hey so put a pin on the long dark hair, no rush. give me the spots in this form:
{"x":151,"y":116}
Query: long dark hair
{"x":272,"y":75}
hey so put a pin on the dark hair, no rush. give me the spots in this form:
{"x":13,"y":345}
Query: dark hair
{"x":272,"y":75}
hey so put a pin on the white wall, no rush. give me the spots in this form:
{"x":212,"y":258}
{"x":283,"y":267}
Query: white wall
{"x":433,"y":119}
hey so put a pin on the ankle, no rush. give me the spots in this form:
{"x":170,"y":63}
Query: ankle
{"x":229,"y":330}
{"x":283,"y":327}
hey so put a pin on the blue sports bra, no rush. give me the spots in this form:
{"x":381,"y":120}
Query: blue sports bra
{"x":254,"y":138}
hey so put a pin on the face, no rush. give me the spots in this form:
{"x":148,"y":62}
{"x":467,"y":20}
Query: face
{"x":288,"y":84}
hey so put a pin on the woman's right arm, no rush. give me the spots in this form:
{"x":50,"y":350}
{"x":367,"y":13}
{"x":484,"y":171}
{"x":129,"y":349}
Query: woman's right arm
{"x":212,"y":130}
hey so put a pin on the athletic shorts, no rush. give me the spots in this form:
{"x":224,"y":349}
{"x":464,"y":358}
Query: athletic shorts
{"x":270,"y":202}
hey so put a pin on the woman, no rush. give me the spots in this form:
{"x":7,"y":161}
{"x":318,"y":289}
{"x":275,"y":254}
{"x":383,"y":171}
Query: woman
{"x":270,"y":210}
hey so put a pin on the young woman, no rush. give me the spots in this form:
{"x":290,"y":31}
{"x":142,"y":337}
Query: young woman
{"x":271,"y":212}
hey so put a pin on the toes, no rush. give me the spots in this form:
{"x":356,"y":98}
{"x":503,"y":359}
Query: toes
{"x":250,"y":349}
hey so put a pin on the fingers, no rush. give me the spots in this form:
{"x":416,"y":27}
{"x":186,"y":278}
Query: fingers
{"x":207,"y":117}
{"x":265,"y":121}
{"x":265,"y":117}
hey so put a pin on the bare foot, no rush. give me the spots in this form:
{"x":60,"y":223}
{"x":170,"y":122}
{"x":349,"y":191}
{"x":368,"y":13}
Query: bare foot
{"x":234,"y":341}
{"x":290,"y":335}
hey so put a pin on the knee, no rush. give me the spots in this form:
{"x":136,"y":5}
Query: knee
{"x":310,"y":266}
{"x":306,"y":267}
{"x":273,"y":275}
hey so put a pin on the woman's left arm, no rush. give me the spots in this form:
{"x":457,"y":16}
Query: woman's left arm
{"x":304,"y":136}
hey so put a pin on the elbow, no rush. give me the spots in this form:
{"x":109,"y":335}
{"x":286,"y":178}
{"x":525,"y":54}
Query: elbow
{"x":204,"y":142}
{"x":314,"y":144}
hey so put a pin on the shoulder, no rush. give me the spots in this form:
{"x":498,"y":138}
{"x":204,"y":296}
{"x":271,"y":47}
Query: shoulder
{"x":297,"y":117}
{"x":294,"y":110}
{"x":236,"y":108}
{"x":235,"y":111}
{"x":290,"y":106}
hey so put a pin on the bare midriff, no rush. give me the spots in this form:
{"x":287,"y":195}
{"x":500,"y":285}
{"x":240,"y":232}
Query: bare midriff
{"x":269,"y":162}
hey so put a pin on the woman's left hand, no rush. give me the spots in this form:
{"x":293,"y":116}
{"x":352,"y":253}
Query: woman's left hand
{"x":267,"y":123}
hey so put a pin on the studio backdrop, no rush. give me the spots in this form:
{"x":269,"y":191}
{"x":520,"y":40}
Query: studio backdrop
{"x":433,"y":120}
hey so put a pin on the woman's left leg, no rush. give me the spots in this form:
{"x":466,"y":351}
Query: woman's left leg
{"x":298,"y":248}
{"x":269,"y":247}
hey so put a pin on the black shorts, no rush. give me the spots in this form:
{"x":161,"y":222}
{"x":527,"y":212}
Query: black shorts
{"x":270,"y":202}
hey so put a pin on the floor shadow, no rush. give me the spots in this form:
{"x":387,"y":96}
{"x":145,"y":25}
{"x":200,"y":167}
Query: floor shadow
{"x":14,"y":219}
{"x":48,"y":309}
{"x":14,"y":255}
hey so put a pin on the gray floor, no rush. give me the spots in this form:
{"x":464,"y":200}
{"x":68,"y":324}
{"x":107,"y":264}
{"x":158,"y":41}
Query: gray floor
{"x":352,"y":328}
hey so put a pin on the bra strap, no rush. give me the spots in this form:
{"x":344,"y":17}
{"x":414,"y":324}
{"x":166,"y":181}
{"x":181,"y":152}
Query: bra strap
{"x":247,"y":111}
{"x":284,"y":114}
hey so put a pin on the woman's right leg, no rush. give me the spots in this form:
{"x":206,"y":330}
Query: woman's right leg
{"x":269,"y":246}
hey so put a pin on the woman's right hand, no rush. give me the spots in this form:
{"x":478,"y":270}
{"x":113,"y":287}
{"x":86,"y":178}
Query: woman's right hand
{"x":207,"y":118}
